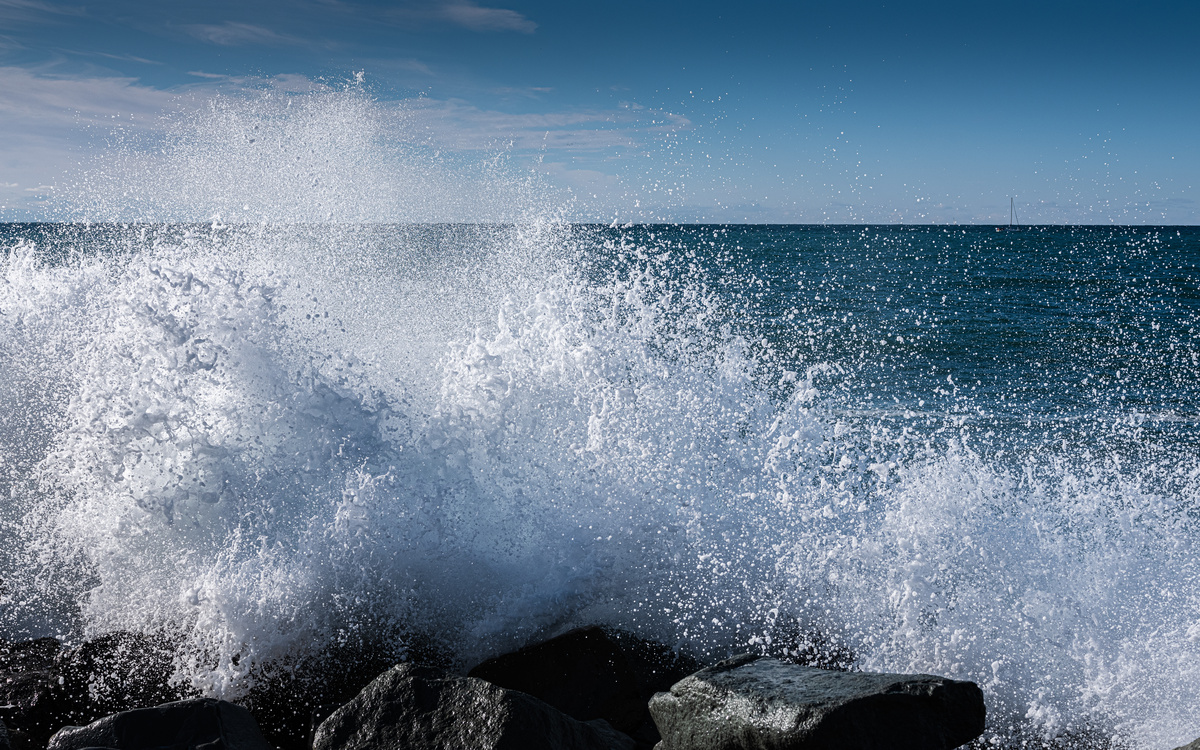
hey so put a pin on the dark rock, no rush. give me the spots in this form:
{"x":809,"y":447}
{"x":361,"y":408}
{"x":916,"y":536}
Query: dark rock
{"x":199,"y":723}
{"x":3,"y":737}
{"x":28,"y":656}
{"x":754,"y":702}
{"x":43,"y":687}
{"x":291,"y":699}
{"x":33,"y":702}
{"x":590,"y":673}
{"x":582,"y":673}
{"x":1193,"y":745}
{"x":120,"y":672}
{"x":656,"y":666}
{"x":424,"y":708}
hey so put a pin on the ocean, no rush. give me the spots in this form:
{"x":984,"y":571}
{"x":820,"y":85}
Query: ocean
{"x":964,"y":451}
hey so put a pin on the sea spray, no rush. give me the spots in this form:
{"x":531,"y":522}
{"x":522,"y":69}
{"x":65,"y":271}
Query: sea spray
{"x":265,"y":439}
{"x":267,"y":156}
{"x":219,"y":472}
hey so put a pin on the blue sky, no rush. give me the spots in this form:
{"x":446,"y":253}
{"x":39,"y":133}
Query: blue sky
{"x":923,"y":112}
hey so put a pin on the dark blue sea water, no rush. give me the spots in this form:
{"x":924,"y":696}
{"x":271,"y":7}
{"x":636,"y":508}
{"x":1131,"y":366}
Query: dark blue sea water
{"x":952,"y":450}
{"x":1038,"y":333}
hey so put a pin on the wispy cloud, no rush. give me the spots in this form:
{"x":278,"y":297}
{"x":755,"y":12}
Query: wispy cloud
{"x":479,"y":18}
{"x":126,"y":58}
{"x":456,"y":124}
{"x":9,"y":44}
{"x":412,"y":64}
{"x":25,"y":11}
{"x":238,"y":34}
{"x":83,"y":53}
{"x":35,"y":102}
{"x":287,"y":83}
{"x":47,"y":122}
{"x":528,"y":92}
{"x":580,"y":179}
{"x":466,"y":14}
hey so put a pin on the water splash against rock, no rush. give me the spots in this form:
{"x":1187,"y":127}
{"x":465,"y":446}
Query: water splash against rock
{"x":257,"y":438}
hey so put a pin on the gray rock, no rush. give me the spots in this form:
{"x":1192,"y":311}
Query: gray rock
{"x":411,"y":707}
{"x":1193,"y":745}
{"x":196,"y":724}
{"x":755,"y":702}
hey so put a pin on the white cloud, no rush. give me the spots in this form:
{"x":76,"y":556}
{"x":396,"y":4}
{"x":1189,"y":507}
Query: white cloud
{"x":478,"y":18}
{"x":412,"y":64}
{"x":237,"y":34}
{"x":583,"y":182}
{"x":125,"y":58}
{"x":287,"y":83}
{"x":31,"y":103}
{"x":47,"y":123}
{"x":464,"y":13}
{"x":25,"y":11}
{"x":50,"y":125}
{"x":9,"y":184}
{"x":527,"y":92}
{"x":455,"y":124}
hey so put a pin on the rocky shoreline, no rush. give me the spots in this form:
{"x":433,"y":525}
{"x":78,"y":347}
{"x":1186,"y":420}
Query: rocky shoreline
{"x":587,"y":689}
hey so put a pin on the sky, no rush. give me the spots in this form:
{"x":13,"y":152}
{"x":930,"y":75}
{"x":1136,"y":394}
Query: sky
{"x":804,"y":112}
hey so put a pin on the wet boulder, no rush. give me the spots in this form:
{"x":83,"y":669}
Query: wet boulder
{"x":183,"y":725}
{"x":582,"y":673}
{"x":33,"y":699}
{"x":4,"y":737}
{"x":291,"y":698}
{"x":425,"y":708}
{"x":44,"y":687}
{"x":119,"y":672}
{"x":591,"y":673}
{"x":751,"y":701}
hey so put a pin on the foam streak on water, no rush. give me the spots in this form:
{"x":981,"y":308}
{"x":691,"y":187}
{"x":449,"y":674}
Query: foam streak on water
{"x":264,"y":439}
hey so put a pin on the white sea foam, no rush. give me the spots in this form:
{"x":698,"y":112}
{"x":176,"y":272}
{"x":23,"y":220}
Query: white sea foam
{"x":258,"y":439}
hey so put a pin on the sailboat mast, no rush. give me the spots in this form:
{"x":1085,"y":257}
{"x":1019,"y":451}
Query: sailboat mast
{"x":1012,"y":211}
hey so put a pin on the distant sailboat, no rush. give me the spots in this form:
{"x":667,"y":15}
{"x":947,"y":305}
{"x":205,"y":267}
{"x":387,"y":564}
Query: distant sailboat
{"x":1012,"y":216}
